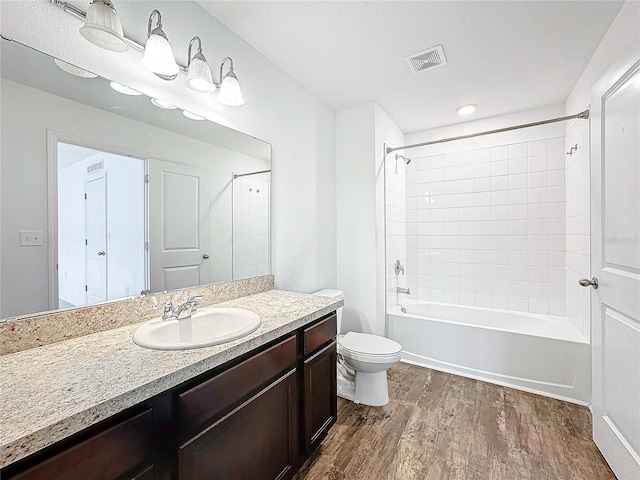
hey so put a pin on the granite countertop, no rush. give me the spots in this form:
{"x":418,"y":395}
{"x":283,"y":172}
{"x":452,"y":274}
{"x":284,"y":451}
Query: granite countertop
{"x":51,"y":392}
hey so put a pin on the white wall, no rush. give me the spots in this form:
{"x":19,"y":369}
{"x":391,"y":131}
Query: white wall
{"x":277,"y":110}
{"x":623,"y":35}
{"x":361,"y":133}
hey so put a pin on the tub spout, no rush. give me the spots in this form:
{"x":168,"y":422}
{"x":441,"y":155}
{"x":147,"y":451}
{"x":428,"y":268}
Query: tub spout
{"x":403,"y":290}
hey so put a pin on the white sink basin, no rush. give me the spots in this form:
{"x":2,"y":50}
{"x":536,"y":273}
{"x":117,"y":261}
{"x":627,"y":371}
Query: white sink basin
{"x":206,"y":327}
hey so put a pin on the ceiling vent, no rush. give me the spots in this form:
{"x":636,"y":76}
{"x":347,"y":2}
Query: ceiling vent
{"x":427,"y":59}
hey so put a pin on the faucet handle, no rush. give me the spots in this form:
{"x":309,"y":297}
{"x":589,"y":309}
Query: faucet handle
{"x":193,"y":302}
{"x":168,"y":309}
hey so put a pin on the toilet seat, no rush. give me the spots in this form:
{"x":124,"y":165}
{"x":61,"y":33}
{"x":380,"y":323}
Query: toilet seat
{"x":369,"y":348}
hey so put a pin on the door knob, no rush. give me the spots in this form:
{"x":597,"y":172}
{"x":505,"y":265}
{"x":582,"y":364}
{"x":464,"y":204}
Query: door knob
{"x":205,"y":256}
{"x":102,"y":253}
{"x":585,"y":282}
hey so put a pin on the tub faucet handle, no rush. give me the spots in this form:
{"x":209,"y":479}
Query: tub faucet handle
{"x":399,"y":268}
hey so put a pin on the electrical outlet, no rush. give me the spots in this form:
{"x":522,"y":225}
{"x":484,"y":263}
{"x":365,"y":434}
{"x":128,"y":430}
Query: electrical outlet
{"x":31,"y":238}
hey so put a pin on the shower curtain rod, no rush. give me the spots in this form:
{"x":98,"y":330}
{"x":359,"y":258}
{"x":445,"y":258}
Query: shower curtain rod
{"x":236,"y":175}
{"x":583,"y":115}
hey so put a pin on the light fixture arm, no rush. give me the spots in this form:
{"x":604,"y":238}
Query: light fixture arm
{"x":224,"y":60}
{"x":158,"y":30}
{"x":198,"y":54}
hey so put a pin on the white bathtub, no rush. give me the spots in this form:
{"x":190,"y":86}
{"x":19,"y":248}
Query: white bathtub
{"x":541,"y":354}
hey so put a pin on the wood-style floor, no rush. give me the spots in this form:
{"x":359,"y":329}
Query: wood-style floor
{"x":438,"y":426}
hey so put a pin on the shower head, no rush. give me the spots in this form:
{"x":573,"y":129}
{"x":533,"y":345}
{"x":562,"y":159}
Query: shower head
{"x":406,"y":160}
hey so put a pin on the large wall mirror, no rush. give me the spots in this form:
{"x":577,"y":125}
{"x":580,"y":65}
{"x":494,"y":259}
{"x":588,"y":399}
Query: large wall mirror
{"x":106,"y":195}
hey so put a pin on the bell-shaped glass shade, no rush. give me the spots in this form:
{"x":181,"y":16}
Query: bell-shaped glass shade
{"x":102,"y":27}
{"x":230,"y":93}
{"x":73,"y":70}
{"x":158,"y":56}
{"x":199,"y":76}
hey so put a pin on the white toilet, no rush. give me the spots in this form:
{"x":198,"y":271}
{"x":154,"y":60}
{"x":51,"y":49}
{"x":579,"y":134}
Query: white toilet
{"x":363,"y":360}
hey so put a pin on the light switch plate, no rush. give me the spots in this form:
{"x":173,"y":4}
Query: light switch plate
{"x":31,"y":238}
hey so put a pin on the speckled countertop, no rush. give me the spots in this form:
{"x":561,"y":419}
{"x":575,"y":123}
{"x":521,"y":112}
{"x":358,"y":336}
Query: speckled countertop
{"x":51,"y":392}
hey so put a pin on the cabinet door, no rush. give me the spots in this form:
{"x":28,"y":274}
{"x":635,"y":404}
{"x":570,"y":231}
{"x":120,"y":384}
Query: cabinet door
{"x":121,"y":452}
{"x":255,"y":441}
{"x":320,"y":396}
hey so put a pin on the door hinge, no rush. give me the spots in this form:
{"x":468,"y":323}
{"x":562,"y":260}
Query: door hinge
{"x":146,"y":178}
{"x":146,"y":246}
{"x":86,"y":242}
{"x":86,"y":288}
{"x":85,"y":196}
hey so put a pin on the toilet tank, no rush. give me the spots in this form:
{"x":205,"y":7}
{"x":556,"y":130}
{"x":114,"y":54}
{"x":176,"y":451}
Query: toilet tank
{"x":332,"y":294}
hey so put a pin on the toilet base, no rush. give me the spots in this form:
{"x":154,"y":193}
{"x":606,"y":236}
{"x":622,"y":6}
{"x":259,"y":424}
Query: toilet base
{"x":368,"y":388}
{"x":372,"y":388}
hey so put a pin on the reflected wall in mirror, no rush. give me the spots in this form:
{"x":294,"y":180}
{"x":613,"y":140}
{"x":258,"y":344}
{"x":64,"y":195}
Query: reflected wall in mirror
{"x":105,"y":195}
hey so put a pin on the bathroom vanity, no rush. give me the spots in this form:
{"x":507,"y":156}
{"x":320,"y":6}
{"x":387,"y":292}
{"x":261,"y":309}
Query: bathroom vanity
{"x":255,"y":408}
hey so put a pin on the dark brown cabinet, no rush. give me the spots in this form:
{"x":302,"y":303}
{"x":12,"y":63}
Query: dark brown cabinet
{"x":258,"y":417}
{"x":256,"y":441}
{"x":120,"y":452}
{"x":320,"y":399}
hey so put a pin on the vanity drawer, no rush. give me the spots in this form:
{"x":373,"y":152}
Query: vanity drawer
{"x":122,"y":451}
{"x":209,"y":399}
{"x":320,"y":334}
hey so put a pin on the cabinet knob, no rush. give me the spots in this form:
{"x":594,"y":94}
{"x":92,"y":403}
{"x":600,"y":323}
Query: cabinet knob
{"x":205,"y":256}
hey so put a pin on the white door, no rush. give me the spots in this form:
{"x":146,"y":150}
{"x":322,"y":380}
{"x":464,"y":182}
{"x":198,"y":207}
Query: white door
{"x":615,"y":231}
{"x":96,"y":239}
{"x":178,"y":226}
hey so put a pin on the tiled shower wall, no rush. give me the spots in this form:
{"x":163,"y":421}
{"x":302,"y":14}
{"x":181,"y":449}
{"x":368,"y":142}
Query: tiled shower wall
{"x":486,"y":227}
{"x":578,"y":226}
{"x":395,"y":202}
{"x":251,"y":196}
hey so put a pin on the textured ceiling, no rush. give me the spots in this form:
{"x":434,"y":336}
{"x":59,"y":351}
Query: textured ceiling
{"x":504,"y":56}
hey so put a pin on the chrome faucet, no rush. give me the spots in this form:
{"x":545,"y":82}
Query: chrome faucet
{"x":403,"y":290}
{"x":399,"y":268}
{"x":174,"y":313}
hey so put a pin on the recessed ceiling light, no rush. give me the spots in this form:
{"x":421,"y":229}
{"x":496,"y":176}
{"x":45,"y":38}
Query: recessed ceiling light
{"x":162,"y":104}
{"x":466,"y":109}
{"x":192,"y":116}
{"x":123,"y":89}
{"x":73,"y":70}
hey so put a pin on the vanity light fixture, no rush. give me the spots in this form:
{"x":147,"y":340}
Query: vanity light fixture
{"x":73,"y":70}
{"x":102,"y":27}
{"x":198,"y":71}
{"x":467,"y":109}
{"x":162,"y":104}
{"x":124,"y":89}
{"x":158,"y":54}
{"x":192,"y":116}
{"x":230,"y":93}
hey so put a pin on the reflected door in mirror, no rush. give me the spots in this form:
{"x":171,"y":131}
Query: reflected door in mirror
{"x":179,"y":206}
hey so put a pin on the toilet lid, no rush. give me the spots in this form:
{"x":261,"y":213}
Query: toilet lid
{"x":369,"y":344}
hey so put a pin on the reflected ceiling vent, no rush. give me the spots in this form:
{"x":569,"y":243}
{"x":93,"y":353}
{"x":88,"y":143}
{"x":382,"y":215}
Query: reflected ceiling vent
{"x":96,"y":167}
{"x":427,"y":59}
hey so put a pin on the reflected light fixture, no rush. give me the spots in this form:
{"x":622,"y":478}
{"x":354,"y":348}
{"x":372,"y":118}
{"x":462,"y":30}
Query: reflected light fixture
{"x":73,"y":70}
{"x":158,"y":54}
{"x":198,"y":71}
{"x":230,"y":93}
{"x":102,"y":27}
{"x":191,"y":115}
{"x":118,"y":87}
{"x":467,"y":109}
{"x":162,"y":104}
